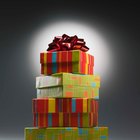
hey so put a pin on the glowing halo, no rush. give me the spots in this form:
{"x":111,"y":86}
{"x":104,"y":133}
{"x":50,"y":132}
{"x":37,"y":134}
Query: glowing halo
{"x":94,"y":40}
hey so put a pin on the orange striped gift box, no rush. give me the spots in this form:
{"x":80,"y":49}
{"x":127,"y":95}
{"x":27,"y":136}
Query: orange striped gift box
{"x":67,"y":105}
{"x":65,"y":119}
{"x":74,"y":61}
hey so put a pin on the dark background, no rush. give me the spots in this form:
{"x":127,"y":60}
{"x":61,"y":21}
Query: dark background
{"x":120,"y":23}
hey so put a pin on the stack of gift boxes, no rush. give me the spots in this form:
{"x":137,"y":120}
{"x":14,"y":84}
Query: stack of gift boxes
{"x":66,"y":106}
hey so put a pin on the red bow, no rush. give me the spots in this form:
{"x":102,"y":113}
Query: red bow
{"x":66,"y":43}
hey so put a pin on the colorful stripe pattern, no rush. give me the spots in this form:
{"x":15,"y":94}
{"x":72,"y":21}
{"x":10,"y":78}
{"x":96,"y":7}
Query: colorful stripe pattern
{"x":68,"y":79}
{"x":43,"y":120}
{"x":76,"y":67}
{"x":67,"y":105}
{"x":69,"y":91}
{"x":66,"y":133}
{"x":66,"y":61}
{"x":66,"y":56}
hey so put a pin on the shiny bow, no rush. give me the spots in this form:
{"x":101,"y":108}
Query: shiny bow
{"x":66,"y":43}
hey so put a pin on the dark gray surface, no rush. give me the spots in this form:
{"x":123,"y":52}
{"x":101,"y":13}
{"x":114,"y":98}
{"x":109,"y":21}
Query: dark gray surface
{"x":119,"y":98}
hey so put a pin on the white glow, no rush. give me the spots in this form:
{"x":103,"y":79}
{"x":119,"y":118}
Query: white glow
{"x":94,"y":40}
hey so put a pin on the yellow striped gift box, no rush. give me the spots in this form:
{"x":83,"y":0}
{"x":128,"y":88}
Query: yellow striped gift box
{"x":66,"y":133}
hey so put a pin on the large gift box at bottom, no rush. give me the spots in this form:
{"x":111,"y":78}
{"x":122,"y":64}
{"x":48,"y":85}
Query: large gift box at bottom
{"x":66,"y":133}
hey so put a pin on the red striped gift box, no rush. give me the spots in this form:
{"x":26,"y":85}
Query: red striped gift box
{"x":43,"y":120}
{"x":74,"y":61}
{"x":79,"y":67}
{"x":67,"y":105}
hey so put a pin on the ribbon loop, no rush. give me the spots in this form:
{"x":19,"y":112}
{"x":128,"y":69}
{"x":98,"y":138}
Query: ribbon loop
{"x":66,"y":43}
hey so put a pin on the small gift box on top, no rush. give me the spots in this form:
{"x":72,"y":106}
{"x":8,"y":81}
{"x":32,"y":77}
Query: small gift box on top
{"x":74,"y":61}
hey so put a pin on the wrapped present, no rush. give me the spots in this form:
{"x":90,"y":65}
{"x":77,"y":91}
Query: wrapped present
{"x":59,"y":79}
{"x":78,"y":67}
{"x":69,"y":91}
{"x":74,"y":61}
{"x":67,"y":105}
{"x":66,"y":133}
{"x":65,"y":119}
{"x":66,"y":56}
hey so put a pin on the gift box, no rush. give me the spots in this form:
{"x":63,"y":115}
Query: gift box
{"x":74,"y":61}
{"x":68,"y":85}
{"x":66,"y":56}
{"x":59,"y":79}
{"x":78,"y":67}
{"x":66,"y":133}
{"x":68,"y":91}
{"x":65,"y":119}
{"x":67,"y":105}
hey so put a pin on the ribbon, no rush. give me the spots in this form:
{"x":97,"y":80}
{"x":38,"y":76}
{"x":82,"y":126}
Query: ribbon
{"x":66,"y":43}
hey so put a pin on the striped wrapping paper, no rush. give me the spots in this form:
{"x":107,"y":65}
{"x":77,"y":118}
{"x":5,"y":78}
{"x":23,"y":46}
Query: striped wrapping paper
{"x":65,"y":119}
{"x":74,"y":61}
{"x":66,"y":56}
{"x":68,"y":105}
{"x":69,"y":79}
{"x":78,"y":67}
{"x":69,"y":91}
{"x":66,"y":133}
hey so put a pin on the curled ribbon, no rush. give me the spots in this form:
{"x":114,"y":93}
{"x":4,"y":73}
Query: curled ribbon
{"x":66,"y":43}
